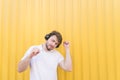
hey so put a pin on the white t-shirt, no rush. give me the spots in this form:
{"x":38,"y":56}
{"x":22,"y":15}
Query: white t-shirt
{"x":43,"y":66}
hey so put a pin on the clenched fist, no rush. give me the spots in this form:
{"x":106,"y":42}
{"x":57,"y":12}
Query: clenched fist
{"x":34,"y":52}
{"x":66,"y":44}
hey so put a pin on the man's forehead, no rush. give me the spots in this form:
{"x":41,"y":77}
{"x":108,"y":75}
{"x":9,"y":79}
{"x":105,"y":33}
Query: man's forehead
{"x":54,"y":37}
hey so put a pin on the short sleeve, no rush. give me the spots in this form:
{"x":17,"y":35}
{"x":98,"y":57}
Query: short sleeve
{"x":61,"y":58}
{"x":27,"y":52}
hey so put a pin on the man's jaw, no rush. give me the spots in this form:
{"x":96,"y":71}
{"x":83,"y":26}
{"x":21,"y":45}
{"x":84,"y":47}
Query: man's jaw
{"x":47,"y":47}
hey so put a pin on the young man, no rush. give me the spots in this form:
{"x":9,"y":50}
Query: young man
{"x":44,"y":59}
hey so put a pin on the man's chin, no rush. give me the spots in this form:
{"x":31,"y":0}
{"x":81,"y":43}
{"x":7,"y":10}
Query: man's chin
{"x":49,"y":49}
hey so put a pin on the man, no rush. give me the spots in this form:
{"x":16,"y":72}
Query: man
{"x":44,"y":59}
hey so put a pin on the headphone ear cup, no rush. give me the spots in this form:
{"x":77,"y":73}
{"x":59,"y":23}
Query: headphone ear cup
{"x":47,"y":36}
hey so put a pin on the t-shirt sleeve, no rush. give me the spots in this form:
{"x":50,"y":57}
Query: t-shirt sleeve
{"x":61,"y":58}
{"x":27,"y":52}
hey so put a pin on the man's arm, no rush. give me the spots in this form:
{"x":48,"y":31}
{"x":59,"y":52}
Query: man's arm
{"x":67,"y":63}
{"x":23,"y":64}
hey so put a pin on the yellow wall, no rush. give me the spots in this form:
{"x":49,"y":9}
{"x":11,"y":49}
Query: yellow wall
{"x":92,"y":27}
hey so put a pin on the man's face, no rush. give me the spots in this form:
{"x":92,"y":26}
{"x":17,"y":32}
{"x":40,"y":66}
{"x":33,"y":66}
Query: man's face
{"x":52,"y":42}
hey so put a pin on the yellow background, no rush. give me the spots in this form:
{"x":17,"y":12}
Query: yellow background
{"x":91,"y":26}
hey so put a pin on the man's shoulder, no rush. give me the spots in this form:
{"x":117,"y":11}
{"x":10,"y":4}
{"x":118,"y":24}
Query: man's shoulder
{"x":57,"y":52}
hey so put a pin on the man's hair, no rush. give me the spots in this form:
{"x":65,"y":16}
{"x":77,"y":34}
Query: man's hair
{"x":57,"y":34}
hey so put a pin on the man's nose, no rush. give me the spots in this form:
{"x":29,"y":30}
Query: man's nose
{"x":54,"y":44}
